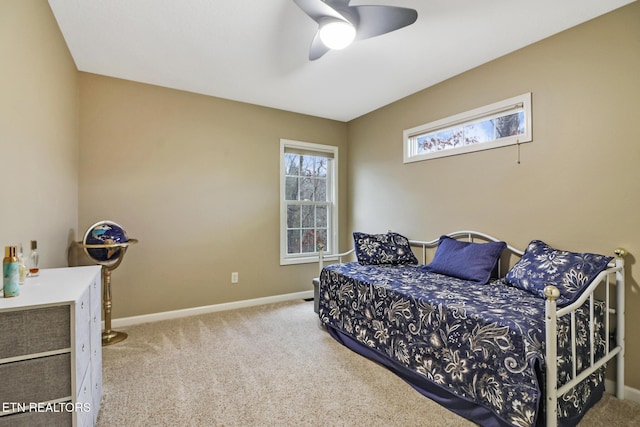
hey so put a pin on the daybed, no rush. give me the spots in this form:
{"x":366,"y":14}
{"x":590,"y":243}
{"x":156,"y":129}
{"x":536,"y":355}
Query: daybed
{"x":473,"y":339}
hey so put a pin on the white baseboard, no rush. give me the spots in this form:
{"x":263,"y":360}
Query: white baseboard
{"x":155,"y":317}
{"x":632,"y":394}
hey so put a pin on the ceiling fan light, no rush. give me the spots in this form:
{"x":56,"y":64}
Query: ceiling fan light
{"x":337,"y":34}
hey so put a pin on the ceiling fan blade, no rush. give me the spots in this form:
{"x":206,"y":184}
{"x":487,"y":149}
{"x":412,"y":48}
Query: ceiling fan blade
{"x":318,"y":10}
{"x":317,"y":48}
{"x":377,"y":20}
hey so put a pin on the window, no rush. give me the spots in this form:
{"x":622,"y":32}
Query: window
{"x":308,"y":201}
{"x":500,"y":124}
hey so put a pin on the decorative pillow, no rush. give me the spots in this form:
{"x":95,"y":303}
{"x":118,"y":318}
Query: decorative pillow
{"x":466,"y":260}
{"x":570,"y":272}
{"x":390,"y":248}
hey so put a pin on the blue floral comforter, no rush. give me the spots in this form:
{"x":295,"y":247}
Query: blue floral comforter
{"x":483,"y":343}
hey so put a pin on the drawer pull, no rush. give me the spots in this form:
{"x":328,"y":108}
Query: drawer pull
{"x":83,"y":348}
{"x":82,"y":305}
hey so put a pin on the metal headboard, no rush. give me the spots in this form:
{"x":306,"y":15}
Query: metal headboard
{"x":469,"y":235}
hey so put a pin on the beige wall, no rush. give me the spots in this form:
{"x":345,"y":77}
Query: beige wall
{"x":38,"y":131}
{"x":196,"y":180}
{"x":578,"y":184}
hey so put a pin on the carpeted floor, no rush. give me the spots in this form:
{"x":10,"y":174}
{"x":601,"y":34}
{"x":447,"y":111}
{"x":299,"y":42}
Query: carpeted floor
{"x":270,"y":365}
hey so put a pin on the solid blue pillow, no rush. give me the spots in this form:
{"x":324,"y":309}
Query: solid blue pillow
{"x":390,"y":248}
{"x":466,"y":260}
{"x":570,"y":272}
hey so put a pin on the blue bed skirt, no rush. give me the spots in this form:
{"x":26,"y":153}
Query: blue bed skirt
{"x":467,"y":409}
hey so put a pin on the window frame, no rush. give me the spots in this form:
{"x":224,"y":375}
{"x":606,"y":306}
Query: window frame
{"x":477,"y":115}
{"x":332,"y":211}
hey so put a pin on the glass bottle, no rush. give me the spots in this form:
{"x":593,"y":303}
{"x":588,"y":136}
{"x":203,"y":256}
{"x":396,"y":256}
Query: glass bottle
{"x":33,"y":259}
{"x":10,"y":273}
{"x":23,"y":265}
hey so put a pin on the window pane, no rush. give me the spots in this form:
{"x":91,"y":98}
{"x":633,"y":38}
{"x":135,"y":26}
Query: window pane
{"x":291,"y":188}
{"x":321,"y":216}
{"x":320,"y":194}
{"x":510,"y":125}
{"x":479,"y":132}
{"x":292,"y":164}
{"x":307,"y":216}
{"x":293,"y":241}
{"x":321,"y":166}
{"x":308,"y":241}
{"x":293,"y":216}
{"x":307,"y":188}
{"x":313,"y":189}
{"x":308,"y":165}
{"x":314,"y":166}
{"x":440,"y":140}
{"x":321,"y":239}
{"x":474,"y":133}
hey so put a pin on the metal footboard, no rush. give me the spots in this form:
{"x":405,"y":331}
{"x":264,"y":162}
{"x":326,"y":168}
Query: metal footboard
{"x":552,"y":314}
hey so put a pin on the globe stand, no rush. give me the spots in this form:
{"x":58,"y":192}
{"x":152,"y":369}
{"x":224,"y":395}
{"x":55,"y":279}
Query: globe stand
{"x":109,"y":336}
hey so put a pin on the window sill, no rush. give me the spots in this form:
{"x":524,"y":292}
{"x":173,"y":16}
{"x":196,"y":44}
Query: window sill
{"x":301,"y":260}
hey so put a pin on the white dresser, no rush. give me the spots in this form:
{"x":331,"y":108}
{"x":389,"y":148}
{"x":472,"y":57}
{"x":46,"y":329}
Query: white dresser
{"x":51,"y":350}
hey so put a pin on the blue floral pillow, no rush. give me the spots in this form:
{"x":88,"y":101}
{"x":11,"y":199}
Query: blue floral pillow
{"x":466,"y":260}
{"x":390,"y":248}
{"x":570,"y":272}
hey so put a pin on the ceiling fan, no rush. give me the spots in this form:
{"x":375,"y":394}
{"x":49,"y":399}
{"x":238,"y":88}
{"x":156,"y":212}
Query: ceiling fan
{"x":340,"y":24}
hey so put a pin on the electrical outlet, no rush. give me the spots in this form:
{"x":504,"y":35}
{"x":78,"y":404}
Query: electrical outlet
{"x":234,"y":277}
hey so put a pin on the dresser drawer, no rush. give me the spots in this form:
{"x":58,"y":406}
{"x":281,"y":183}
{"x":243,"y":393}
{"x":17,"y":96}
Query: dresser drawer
{"x":83,"y":313}
{"x":34,"y":331}
{"x":37,"y":419}
{"x":96,"y":365}
{"x":96,"y":297}
{"x":83,"y":335}
{"x":96,"y":379}
{"x":96,"y":322}
{"x":36,"y":380}
{"x":85,"y":401}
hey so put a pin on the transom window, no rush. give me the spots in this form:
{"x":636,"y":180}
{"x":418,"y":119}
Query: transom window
{"x":500,"y":124}
{"x":308,"y":214}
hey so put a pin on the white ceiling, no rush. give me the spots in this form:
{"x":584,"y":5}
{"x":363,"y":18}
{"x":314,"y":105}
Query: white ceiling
{"x":256,"y":51}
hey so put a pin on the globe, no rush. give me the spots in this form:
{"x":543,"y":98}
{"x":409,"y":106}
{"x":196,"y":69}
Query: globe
{"x":103,"y":233}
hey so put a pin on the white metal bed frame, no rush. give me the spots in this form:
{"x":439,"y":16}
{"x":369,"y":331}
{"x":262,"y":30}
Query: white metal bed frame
{"x":552,"y":314}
